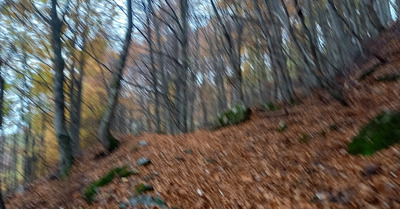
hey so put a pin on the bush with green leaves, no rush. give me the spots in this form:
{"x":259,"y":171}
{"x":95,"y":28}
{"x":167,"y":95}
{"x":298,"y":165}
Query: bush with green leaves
{"x":380,"y":133}
{"x":237,"y":114}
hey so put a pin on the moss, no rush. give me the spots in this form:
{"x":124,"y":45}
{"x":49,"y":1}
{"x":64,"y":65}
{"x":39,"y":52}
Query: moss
{"x":91,"y":190}
{"x":142,"y":188}
{"x":388,"y":78}
{"x":114,"y":143}
{"x":210,"y":160}
{"x":159,"y":201}
{"x":124,"y":172}
{"x":89,"y":194}
{"x":282,"y":127}
{"x":380,"y":133}
{"x":271,"y":106}
{"x":304,"y":138}
{"x":238,"y":114}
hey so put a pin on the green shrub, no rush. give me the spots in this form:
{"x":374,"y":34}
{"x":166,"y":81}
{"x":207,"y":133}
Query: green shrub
{"x":380,"y":133}
{"x":238,"y":114}
{"x":91,"y":190}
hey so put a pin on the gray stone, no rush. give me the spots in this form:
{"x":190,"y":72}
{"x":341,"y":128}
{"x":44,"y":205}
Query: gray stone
{"x":371,"y":170}
{"x":143,"y":161}
{"x":143,"y":143}
{"x":146,"y":200}
{"x":122,"y":205}
{"x":180,"y":158}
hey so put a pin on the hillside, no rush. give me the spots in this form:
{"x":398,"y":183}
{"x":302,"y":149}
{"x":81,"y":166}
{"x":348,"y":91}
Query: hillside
{"x":254,"y":165}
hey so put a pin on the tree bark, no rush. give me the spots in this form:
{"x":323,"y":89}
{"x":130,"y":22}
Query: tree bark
{"x":76,"y":101}
{"x":153,"y":70}
{"x":2,"y":84}
{"x":63,"y":138}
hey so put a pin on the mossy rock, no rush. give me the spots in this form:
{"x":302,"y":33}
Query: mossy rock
{"x":380,"y":133}
{"x":238,"y":114}
{"x":91,"y":190}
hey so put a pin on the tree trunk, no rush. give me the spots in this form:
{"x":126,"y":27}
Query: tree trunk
{"x":63,"y":138}
{"x":2,"y":84}
{"x":184,"y":9}
{"x":106,"y":138}
{"x":76,"y":102}
{"x":153,"y":70}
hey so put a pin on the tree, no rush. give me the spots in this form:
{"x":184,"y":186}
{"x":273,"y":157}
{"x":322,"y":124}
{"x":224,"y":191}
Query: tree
{"x":2,"y":84}
{"x":63,"y":138}
{"x":106,"y":138}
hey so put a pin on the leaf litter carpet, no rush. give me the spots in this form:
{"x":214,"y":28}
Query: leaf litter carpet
{"x":250,"y":165}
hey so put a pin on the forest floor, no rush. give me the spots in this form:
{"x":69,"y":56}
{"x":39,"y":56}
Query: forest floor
{"x":253,"y":165}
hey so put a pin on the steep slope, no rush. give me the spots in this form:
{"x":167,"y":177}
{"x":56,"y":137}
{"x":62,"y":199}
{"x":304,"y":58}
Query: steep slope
{"x":254,"y":165}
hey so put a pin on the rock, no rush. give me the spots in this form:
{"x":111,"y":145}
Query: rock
{"x":122,"y":205}
{"x":257,"y":178}
{"x":148,"y":177}
{"x":146,"y":200}
{"x":149,"y":187}
{"x":342,"y":197}
{"x":188,"y":151}
{"x":320,"y":196}
{"x":143,"y":161}
{"x":371,"y":170}
{"x":143,"y":143}
{"x":180,"y":158}
{"x":199,"y":192}
{"x":151,"y":176}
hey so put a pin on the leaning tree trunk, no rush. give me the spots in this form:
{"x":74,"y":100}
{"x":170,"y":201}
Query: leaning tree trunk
{"x":107,"y":140}
{"x":63,"y":138}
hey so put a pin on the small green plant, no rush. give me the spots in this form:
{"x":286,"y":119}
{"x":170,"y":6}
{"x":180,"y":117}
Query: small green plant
{"x":304,"y":138}
{"x":91,"y":190}
{"x":238,"y":114}
{"x":380,"y":133}
{"x":282,"y":127}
